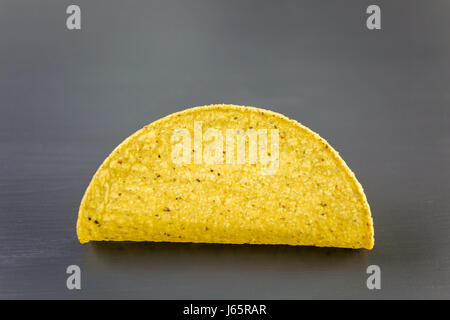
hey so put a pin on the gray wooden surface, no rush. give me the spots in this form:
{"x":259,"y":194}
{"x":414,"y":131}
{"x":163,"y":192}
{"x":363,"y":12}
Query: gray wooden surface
{"x":381,"y":98}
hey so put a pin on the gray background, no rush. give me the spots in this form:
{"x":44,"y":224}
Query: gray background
{"x":67,"y":98}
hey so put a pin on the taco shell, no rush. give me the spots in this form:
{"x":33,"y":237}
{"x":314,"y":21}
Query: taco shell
{"x":144,"y":192}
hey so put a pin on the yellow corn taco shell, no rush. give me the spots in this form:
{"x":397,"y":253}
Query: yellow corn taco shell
{"x":303,"y":195}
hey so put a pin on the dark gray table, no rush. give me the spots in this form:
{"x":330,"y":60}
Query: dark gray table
{"x":67,"y":98}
